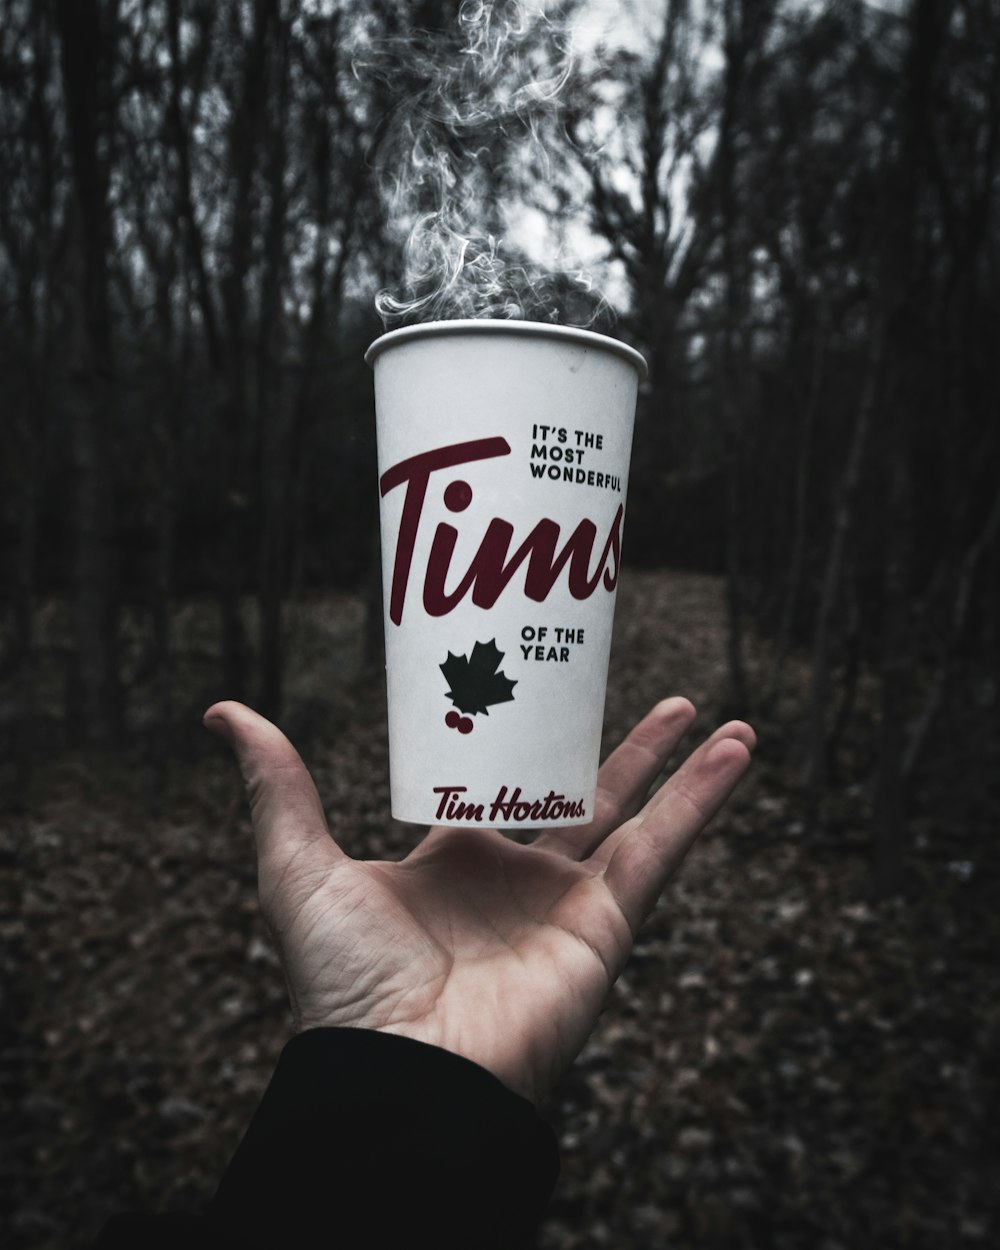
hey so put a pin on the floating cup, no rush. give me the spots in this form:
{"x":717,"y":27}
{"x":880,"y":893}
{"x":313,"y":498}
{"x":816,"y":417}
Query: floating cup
{"x":503,"y":457}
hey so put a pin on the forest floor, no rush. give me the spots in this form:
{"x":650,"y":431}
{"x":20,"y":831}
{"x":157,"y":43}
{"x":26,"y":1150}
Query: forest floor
{"x":788,"y":1060}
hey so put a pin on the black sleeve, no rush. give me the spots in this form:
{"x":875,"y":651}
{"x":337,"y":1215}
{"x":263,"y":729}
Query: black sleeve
{"x":364,"y":1139}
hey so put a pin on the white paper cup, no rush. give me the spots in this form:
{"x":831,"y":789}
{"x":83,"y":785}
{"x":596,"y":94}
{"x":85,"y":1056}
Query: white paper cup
{"x":503,"y":456}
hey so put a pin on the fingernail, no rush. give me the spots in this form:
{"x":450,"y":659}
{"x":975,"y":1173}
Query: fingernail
{"x":219,"y":726}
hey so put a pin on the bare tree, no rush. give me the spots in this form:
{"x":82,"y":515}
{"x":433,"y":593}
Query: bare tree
{"x":87,"y":31}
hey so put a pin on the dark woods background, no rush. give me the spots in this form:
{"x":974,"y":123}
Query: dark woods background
{"x":807,"y":247}
{"x":191,"y":239}
{"x":191,"y":236}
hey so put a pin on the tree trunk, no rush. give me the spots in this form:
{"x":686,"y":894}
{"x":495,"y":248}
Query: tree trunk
{"x":84,"y":62}
{"x":920,"y":730}
{"x":274,"y":467}
{"x":817,"y":762}
{"x":793,"y":581}
{"x":24,"y":655}
{"x":732,"y":398}
{"x":895,"y":666}
{"x":236,"y":413}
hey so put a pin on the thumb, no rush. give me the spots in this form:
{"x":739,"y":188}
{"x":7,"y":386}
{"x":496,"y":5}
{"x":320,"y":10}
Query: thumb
{"x":285,"y":809}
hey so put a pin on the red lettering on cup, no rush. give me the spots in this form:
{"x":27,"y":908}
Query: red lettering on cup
{"x":416,"y":473}
{"x":492,"y":567}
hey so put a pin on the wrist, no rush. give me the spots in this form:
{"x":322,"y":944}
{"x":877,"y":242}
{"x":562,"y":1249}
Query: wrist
{"x":375,"y":1109}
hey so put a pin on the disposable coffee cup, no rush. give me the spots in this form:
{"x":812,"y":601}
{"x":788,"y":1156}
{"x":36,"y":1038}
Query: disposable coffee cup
{"x":503,"y":460}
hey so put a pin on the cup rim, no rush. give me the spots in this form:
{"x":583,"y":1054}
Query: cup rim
{"x":532,"y":329}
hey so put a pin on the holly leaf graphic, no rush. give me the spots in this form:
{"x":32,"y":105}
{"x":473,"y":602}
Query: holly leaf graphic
{"x":474,"y":682}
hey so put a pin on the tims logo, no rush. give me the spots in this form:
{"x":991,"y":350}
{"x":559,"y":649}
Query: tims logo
{"x":494,"y":564}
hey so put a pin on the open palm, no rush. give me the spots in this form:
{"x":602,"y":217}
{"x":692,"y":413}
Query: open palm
{"x":493,"y":950}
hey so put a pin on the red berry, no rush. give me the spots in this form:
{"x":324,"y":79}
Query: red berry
{"x":465,"y":725}
{"x":452,"y":719}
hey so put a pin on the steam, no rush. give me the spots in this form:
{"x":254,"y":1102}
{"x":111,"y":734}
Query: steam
{"x":479,"y":114}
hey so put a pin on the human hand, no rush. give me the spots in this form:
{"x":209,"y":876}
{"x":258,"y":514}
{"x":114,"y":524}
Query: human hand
{"x":493,"y":950}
